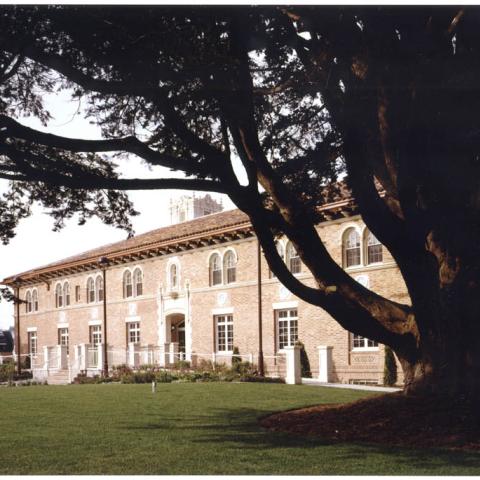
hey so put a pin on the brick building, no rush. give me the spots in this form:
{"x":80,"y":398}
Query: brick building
{"x":191,"y":291}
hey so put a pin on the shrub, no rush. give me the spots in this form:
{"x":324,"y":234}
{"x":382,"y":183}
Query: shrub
{"x":182,"y":365}
{"x":259,"y":379}
{"x":304,"y":361}
{"x":164,"y":377}
{"x":84,"y":379}
{"x":390,"y":368}
{"x":236,"y":358}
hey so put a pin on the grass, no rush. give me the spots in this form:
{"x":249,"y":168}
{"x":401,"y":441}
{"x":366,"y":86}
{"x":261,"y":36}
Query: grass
{"x":188,"y":429}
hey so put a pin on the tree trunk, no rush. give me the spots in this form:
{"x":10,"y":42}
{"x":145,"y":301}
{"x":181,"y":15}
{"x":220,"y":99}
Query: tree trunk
{"x":448,"y":358}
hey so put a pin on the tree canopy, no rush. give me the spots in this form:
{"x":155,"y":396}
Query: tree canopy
{"x":386,"y":96}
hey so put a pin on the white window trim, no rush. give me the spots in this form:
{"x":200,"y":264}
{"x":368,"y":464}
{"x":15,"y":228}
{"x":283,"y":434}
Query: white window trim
{"x":32,"y":329}
{"x":62,"y":325}
{"x":222,"y":311}
{"x":135,"y":318}
{"x":277,"y":319}
{"x":134,"y":284}
{"x":285,"y":305}
{"x":363,"y":349}
{"x":93,"y":323}
{"x":217,"y":351}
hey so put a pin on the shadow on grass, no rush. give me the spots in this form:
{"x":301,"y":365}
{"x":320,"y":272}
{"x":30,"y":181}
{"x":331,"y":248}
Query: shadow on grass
{"x":239,"y":429}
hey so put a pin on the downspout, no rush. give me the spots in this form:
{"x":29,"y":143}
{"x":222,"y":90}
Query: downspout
{"x":261,"y":368}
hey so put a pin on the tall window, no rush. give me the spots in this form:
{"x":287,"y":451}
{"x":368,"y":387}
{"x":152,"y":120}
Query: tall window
{"x":58,"y":296}
{"x":224,"y":326}
{"x":66,"y":293}
{"x":63,"y":337}
{"x":359,"y":342}
{"x":28,"y":302}
{"x":95,"y":334}
{"x":374,"y":248}
{"x":35,"y":300}
{"x":133,"y":332}
{"x":99,"y":288}
{"x":90,"y":290}
{"x":32,"y":344}
{"x":293,"y":260}
{"x":127,"y":284}
{"x":281,"y":254}
{"x":287,"y":327}
{"x":215,"y":270}
{"x":351,"y":248}
{"x":138,"y":281}
{"x":229,"y":266}
{"x":77,"y":293}
{"x":174,"y":276}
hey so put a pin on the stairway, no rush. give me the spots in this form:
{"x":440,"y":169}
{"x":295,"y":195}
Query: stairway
{"x":60,"y":377}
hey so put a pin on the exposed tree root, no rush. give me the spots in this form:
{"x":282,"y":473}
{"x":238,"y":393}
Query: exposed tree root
{"x":393,"y":419}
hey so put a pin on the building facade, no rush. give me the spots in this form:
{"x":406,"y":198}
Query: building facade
{"x":192,"y":291}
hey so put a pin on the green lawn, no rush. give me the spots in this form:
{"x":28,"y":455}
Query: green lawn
{"x":188,"y":429}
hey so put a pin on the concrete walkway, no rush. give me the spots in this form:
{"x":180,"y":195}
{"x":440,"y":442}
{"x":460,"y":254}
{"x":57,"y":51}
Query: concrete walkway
{"x":371,"y":388}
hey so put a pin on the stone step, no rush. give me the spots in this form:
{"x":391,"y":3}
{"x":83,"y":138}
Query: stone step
{"x":58,"y":378}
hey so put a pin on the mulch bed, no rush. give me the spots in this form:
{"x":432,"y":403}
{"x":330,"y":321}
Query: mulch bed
{"x":392,"y":419}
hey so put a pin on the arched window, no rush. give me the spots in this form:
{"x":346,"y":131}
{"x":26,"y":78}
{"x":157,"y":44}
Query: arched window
{"x":127,"y":284}
{"x":351,"y":248}
{"x":293,"y":260}
{"x":215,"y":270}
{"x":58,"y":296}
{"x":35,"y":300}
{"x":99,"y":288}
{"x":90,"y":290}
{"x":173,"y":276}
{"x":28,"y":302}
{"x":66,"y":293}
{"x":374,"y":248}
{"x":229,"y":267}
{"x":138,"y":282}
{"x":281,"y":253}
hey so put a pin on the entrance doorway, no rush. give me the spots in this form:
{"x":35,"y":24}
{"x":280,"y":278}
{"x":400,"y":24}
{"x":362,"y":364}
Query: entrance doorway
{"x":176,"y":321}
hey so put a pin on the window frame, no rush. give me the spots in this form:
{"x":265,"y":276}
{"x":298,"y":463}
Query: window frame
{"x":174,"y":277}
{"x":346,"y":249}
{"x":133,"y":328}
{"x":28,"y":301}
{"x":58,"y":295}
{"x":293,"y":261}
{"x":137,"y":273}
{"x":64,"y":337}
{"x":368,"y":235}
{"x":127,"y":284}
{"x":224,"y":330}
{"x":95,"y":331}
{"x":291,"y":330}
{"x":91,"y":290}
{"x":99,"y":291}
{"x":229,"y":271}
{"x":215,"y":273}
{"x":35,"y":300}
{"x":66,"y":294}
{"x":32,"y":342}
{"x":365,"y":347}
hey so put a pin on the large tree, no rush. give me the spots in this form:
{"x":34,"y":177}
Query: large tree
{"x":387,"y":96}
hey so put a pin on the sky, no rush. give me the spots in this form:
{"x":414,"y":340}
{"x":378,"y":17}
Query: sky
{"x":35,"y":244}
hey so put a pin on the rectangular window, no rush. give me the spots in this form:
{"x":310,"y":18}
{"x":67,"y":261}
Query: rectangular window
{"x":63,"y":337}
{"x":95,"y":334}
{"x":32,"y":344}
{"x":375,"y":253}
{"x":359,"y":342}
{"x":353,"y":256}
{"x":77,"y":293}
{"x":133,"y":332}
{"x":287,"y":323}
{"x":224,"y":325}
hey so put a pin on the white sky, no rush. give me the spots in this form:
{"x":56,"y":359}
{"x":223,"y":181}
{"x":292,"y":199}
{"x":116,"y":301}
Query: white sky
{"x":35,"y":243}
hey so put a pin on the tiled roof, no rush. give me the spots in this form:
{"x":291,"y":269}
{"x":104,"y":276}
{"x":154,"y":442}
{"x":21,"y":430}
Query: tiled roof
{"x":172,"y":233}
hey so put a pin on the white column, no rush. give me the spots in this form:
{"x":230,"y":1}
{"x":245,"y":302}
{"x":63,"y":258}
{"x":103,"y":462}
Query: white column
{"x":173,"y":352}
{"x":188,"y":324}
{"x":294,"y":370}
{"x":45,"y":358}
{"x":324,"y":363}
{"x":62,"y":356}
{"x":132,"y":350}
{"x":100,"y":356}
{"x":81,"y":355}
